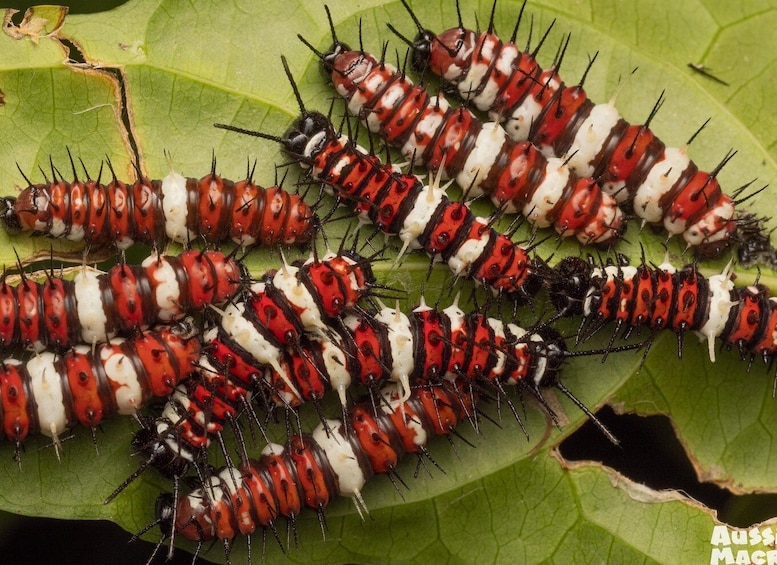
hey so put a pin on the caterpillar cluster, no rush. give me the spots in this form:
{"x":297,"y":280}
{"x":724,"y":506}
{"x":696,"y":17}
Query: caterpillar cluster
{"x":338,"y":458}
{"x":154,"y":212}
{"x":480,"y":157}
{"x":51,"y":393}
{"x":664,"y":297}
{"x":425,"y":373}
{"x":269,"y":322}
{"x":430,"y":347}
{"x":421,"y":215}
{"x":661,"y":184}
{"x":95,"y":307}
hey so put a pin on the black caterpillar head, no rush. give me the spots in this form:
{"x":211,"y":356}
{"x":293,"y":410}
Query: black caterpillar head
{"x":296,"y":139}
{"x":8,"y":215}
{"x":163,"y":450}
{"x":568,"y":285}
{"x":165,"y":511}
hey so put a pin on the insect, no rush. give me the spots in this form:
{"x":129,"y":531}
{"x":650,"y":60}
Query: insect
{"x":432,"y":346}
{"x":480,"y":157}
{"x":52,"y":392}
{"x":95,"y":307}
{"x":661,"y":184}
{"x":174,"y":208}
{"x":311,"y":470}
{"x":664,"y":297}
{"x":422,"y":216}
{"x":270,"y":320}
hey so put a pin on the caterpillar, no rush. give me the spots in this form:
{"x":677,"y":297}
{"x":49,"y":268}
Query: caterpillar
{"x":480,"y":157}
{"x":428,"y":346}
{"x":662,"y":185}
{"x":311,"y":470}
{"x":153,"y":212}
{"x":95,"y":307}
{"x":422,"y":216}
{"x":272,"y":318}
{"x":664,"y":297}
{"x":52,"y":392}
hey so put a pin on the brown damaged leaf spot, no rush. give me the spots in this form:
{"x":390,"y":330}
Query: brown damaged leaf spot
{"x":44,"y":274}
{"x":2,"y":98}
{"x":66,"y":252}
{"x":38,"y":21}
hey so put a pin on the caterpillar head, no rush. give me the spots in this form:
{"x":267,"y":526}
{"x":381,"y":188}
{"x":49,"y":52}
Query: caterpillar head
{"x":422,"y":45}
{"x":569,"y":282}
{"x":8,"y":216}
{"x":163,"y":450}
{"x":310,"y":127}
{"x":553,"y":352}
{"x":165,"y":511}
{"x":421,"y":50}
{"x":328,"y":60}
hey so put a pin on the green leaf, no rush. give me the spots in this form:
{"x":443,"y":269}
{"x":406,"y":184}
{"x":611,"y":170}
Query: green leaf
{"x":159,"y":73}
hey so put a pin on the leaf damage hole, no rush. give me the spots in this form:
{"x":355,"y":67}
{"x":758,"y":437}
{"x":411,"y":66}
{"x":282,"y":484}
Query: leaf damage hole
{"x":651,"y":454}
{"x":76,"y":59}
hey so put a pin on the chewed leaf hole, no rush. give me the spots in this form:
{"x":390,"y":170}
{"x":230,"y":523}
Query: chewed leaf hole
{"x":651,"y":454}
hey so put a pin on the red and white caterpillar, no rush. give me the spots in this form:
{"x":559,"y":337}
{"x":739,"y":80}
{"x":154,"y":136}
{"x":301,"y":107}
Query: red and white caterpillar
{"x":52,"y":392}
{"x":338,"y":458}
{"x":273,"y":318}
{"x":480,"y":157}
{"x":94,"y":307}
{"x":174,"y":208}
{"x":422,"y":216}
{"x":663,"y":297}
{"x":661,"y":184}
